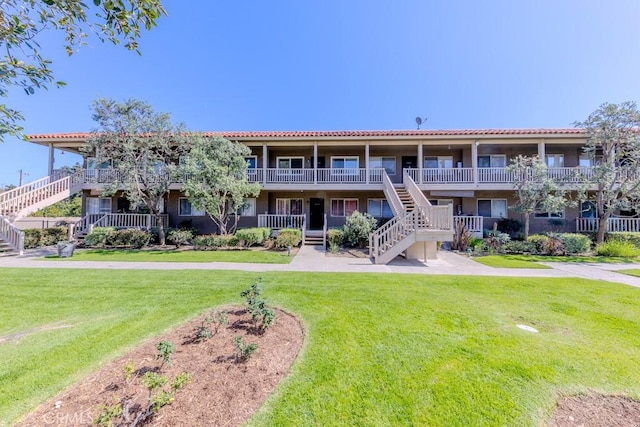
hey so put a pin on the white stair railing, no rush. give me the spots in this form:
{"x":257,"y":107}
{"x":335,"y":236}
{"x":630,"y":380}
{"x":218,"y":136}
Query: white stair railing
{"x":34,"y":193}
{"x":324,"y":232}
{"x":27,"y":188}
{"x":392,"y":196}
{"x":416,"y":194}
{"x":11,"y":234}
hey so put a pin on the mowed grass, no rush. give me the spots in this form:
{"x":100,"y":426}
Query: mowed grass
{"x":531,"y":261}
{"x":132,"y":255}
{"x":381,"y":349}
{"x":631,"y":272}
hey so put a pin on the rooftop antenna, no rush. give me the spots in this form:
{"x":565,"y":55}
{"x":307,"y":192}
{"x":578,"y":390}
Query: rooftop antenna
{"x":420,"y":121}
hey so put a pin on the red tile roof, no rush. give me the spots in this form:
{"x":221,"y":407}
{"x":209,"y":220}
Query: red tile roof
{"x":349,"y":133}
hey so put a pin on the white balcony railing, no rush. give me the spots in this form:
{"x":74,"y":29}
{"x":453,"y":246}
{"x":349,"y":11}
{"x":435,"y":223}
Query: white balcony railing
{"x":590,"y":225}
{"x":276,"y":222}
{"x":474,"y":224}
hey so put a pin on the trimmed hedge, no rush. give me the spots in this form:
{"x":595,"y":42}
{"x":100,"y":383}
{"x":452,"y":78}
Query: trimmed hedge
{"x":576,"y":243}
{"x":288,"y":237}
{"x":37,"y":237}
{"x":180,"y":237}
{"x":125,"y":238}
{"x":251,"y":236}
{"x":213,"y":242}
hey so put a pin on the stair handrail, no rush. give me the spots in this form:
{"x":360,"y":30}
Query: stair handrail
{"x":412,"y":188}
{"x":12,"y":234}
{"x":8,"y":195}
{"x":304,"y":227}
{"x":24,"y":200}
{"x":324,"y":231}
{"x":391,"y":194}
{"x":404,"y":223}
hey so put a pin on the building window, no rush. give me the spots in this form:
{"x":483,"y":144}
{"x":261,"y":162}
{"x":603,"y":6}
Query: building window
{"x":350,"y":162}
{"x":343,"y":207}
{"x":379,"y":208}
{"x":289,"y":207}
{"x":252,"y":162}
{"x":541,"y":213}
{"x":290,"y":162}
{"x":386,"y":163}
{"x":588,"y":210}
{"x":555,"y":160}
{"x":248,"y":208}
{"x":92,"y":163}
{"x":442,"y":202}
{"x":492,"y":208}
{"x":98,"y":205}
{"x":438,"y":162}
{"x":585,"y":161}
{"x":185,"y":208}
{"x":492,"y":161}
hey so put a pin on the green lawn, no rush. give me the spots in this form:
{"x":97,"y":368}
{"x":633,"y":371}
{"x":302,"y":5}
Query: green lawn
{"x":530,"y":261}
{"x":631,"y":272}
{"x":381,"y":349}
{"x":133,"y":255}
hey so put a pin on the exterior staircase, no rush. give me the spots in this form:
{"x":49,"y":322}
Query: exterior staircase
{"x":416,"y":226}
{"x":313,"y":238}
{"x":27,"y":199}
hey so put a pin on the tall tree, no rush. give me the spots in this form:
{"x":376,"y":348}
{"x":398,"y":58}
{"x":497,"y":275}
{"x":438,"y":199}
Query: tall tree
{"x":24,"y":22}
{"x":218,"y":181}
{"x":613,"y":144}
{"x":535,"y":189}
{"x":143,"y":147}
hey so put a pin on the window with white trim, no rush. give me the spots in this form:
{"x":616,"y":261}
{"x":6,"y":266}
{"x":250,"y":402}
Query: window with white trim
{"x":98,"y":205}
{"x":492,"y":208}
{"x":492,"y":161}
{"x":289,"y":207}
{"x":441,"y":202}
{"x":92,"y":163}
{"x":343,"y":207}
{"x":586,"y":161}
{"x":588,"y":209}
{"x":185,"y":208}
{"x":252,"y":162}
{"x":541,"y":213}
{"x":386,"y":163}
{"x":248,"y":207}
{"x":555,"y":160}
{"x":379,"y":208}
{"x":290,"y":162}
{"x":438,"y":162}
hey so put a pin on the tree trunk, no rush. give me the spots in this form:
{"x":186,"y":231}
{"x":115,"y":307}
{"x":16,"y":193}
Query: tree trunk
{"x":161,"y":235}
{"x":602,"y":228}
{"x":526,"y":227}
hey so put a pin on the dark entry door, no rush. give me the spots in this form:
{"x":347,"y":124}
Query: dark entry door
{"x":316,"y":217}
{"x":409,"y":162}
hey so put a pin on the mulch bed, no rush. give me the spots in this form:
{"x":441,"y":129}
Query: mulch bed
{"x":223,"y":390}
{"x":596,"y":410}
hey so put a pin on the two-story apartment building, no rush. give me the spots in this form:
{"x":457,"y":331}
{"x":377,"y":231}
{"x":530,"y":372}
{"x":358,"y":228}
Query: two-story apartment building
{"x":323,"y":176}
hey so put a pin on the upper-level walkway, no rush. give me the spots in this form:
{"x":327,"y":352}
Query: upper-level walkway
{"x":314,"y":259}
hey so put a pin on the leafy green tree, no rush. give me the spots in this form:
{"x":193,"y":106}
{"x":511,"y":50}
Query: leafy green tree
{"x":64,"y":208}
{"x":613,"y":144}
{"x":535,"y":189}
{"x":143,"y":147}
{"x":218,"y":181}
{"x":23,"y":23}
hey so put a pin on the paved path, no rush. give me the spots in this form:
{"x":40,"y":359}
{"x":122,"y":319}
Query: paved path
{"x":313,"y":259}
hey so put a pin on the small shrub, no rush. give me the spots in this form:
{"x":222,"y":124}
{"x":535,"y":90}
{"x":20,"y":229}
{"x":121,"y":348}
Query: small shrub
{"x":518,"y":247}
{"x":250,"y":236}
{"x":212,"y":242}
{"x":216,"y":318}
{"x":129,"y":370}
{"x":335,"y":236}
{"x":617,"y":248}
{"x":32,"y":238}
{"x":261,"y":315}
{"x":358,"y":227}
{"x":509,"y":226}
{"x":475,"y":243}
{"x":495,"y":240}
{"x":180,"y":237}
{"x":333,"y":248}
{"x":128,"y":238}
{"x":226,"y":241}
{"x":165,"y":351}
{"x":538,"y":240}
{"x":576,"y":243}
{"x":288,"y":237}
{"x":266,"y":233}
{"x":633,"y":238}
{"x":461,"y":237}
{"x":245,"y":351}
{"x":98,"y":237}
{"x":51,"y":236}
{"x":107,"y":414}
{"x":554,"y":245}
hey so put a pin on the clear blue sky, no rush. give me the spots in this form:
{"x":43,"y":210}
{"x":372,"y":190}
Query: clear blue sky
{"x":348,"y":64}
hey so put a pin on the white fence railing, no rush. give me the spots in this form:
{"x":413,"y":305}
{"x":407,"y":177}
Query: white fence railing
{"x":590,"y":225}
{"x":276,"y":222}
{"x":27,"y":188}
{"x":392,"y":196}
{"x":474,"y":224}
{"x":23,"y":200}
{"x":412,"y":188}
{"x":12,"y":235}
{"x":118,"y":220}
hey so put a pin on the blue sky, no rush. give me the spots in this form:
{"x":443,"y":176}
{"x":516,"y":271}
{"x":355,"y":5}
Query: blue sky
{"x":347,"y":64}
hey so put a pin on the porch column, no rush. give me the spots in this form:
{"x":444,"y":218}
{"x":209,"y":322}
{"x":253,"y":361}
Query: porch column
{"x":366,"y":161}
{"x":474,"y":160}
{"x":315,"y":162}
{"x":265,"y":162}
{"x":51,"y":158}
{"x":420,"y":162}
{"x":541,"y":151}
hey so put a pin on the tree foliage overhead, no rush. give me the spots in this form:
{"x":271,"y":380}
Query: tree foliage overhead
{"x":23,"y":23}
{"x":218,"y":181}
{"x":143,"y":147}
{"x":535,"y":189}
{"x":613,"y":144}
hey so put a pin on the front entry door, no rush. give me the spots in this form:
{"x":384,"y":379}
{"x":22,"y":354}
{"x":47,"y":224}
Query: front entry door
{"x":409,"y":162}
{"x":316,"y":217}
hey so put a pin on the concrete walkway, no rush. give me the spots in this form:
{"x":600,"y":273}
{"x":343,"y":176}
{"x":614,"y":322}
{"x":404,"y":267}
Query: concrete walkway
{"x":314,"y":259}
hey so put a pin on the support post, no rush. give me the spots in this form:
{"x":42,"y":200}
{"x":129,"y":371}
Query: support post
{"x":420,"y":162}
{"x":51,"y":158}
{"x":315,"y":162}
{"x":366,"y":162}
{"x":541,"y":151}
{"x":265,"y":162}
{"x":474,"y":160}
